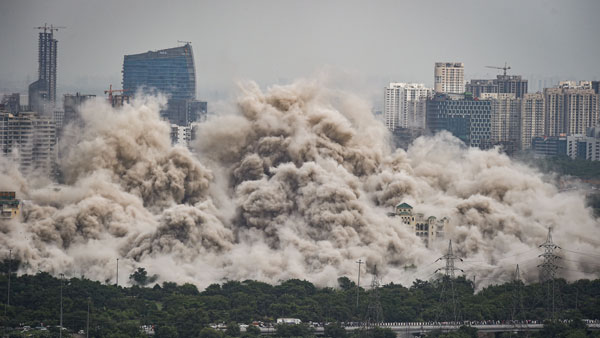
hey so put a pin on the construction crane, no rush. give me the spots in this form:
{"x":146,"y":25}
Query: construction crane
{"x":110,"y":92}
{"x":50,"y":28}
{"x":503,"y":68}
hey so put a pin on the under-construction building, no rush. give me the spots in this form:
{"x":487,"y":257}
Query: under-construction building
{"x":43,"y":91}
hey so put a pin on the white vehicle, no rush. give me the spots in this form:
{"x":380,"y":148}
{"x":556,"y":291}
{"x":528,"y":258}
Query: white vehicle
{"x":288,"y":321}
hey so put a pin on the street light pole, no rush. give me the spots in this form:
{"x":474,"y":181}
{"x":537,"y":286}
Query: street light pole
{"x":117,"y":272}
{"x":61,"y":304}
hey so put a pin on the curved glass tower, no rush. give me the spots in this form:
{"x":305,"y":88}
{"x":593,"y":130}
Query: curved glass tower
{"x":169,"y":71}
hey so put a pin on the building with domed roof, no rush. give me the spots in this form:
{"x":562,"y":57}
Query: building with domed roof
{"x":428,"y":229}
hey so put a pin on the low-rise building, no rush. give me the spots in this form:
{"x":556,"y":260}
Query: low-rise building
{"x":9,"y":205}
{"x":585,"y":147}
{"x":428,"y":229}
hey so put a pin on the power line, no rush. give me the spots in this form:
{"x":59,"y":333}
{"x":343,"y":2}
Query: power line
{"x":582,"y":253}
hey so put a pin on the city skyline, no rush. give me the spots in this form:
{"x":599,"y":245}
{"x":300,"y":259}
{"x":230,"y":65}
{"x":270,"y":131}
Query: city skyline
{"x":273,"y":42}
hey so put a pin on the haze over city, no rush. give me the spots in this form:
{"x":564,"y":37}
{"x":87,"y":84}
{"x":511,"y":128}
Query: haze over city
{"x":246,"y":162}
{"x":365,"y":45}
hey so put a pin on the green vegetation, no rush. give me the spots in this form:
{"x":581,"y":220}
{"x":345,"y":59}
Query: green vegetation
{"x":564,"y":165}
{"x":588,"y":171}
{"x":182,"y":311}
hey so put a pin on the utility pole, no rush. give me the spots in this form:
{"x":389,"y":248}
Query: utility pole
{"x":548,"y":269}
{"x":117,"y":272}
{"x":9,"y":273}
{"x":61,"y":305}
{"x":87,"y":322}
{"x":8,"y":288}
{"x":359,"y":262}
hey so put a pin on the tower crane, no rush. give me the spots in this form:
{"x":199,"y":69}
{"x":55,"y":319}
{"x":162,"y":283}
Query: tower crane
{"x":50,"y":28}
{"x":506,"y":67}
{"x":110,"y":92}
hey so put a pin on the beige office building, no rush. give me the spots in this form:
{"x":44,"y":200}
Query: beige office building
{"x":449,"y":77}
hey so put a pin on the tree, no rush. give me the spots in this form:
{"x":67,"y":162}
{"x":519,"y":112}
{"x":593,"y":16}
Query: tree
{"x":293,"y":330}
{"x":208,"y":332}
{"x":335,"y":330}
{"x":379,"y":332}
{"x":165,"y":331}
{"x":252,"y":331}
{"x":345,"y":283}
{"x":139,"y":277}
{"x":232,"y":330}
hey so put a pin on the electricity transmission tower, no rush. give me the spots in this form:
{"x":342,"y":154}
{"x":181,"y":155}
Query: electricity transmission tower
{"x":548,"y":269}
{"x":374,"y":310}
{"x":359,"y":262}
{"x":448,"y":278}
{"x":449,"y":257}
{"x":518,"y":312}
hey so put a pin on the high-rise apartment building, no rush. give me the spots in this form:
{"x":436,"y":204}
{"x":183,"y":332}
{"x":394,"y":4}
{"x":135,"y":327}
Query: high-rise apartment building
{"x":405,"y":105}
{"x":505,"y":122}
{"x":596,"y":86}
{"x":480,"y":87}
{"x":43,"y":91}
{"x":449,"y":77}
{"x":502,"y":84}
{"x":169,"y":71}
{"x":183,"y":112}
{"x":32,"y":135}
{"x":570,"y":109}
{"x":512,"y":84}
{"x":71,"y":105}
{"x":11,"y":103}
{"x":532,"y":118}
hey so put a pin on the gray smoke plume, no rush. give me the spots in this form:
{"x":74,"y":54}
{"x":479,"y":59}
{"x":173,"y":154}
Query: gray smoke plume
{"x":296,"y":183}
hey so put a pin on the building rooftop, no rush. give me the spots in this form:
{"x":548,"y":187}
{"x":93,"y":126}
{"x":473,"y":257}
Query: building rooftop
{"x":404,"y":206}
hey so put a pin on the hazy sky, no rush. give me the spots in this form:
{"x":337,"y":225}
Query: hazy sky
{"x":368,"y":42}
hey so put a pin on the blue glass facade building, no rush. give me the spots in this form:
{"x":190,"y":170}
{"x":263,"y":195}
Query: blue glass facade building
{"x":169,"y":71}
{"x":467,"y":119}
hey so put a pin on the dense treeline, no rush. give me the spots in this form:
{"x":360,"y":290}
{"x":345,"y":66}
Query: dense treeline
{"x":564,"y":165}
{"x":184,"y":311}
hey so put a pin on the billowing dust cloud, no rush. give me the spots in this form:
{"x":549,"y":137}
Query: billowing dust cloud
{"x":297,"y":183}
